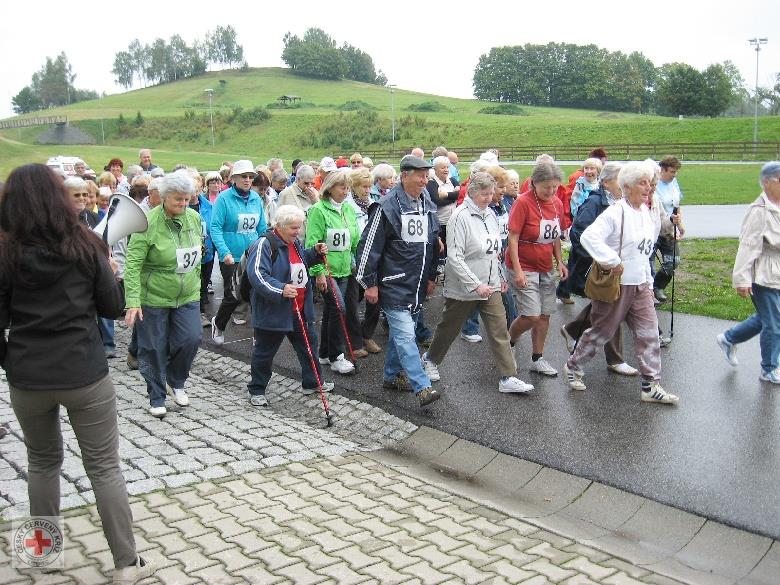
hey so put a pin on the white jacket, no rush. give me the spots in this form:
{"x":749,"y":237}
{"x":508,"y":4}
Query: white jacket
{"x":758,"y":255}
{"x":602,"y":238}
{"x":473,"y":252}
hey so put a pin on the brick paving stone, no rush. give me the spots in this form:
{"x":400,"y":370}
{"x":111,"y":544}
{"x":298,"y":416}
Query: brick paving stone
{"x":193,"y":560}
{"x":88,"y":574}
{"x":274,"y":558}
{"x":508,"y":570}
{"x":426,"y":573}
{"x":475,"y":556}
{"x":396,"y":558}
{"x":174,"y":576}
{"x":584,"y":565}
{"x":234,"y":559}
{"x":384,"y":573}
{"x":211,"y":543}
{"x":630,"y":570}
{"x":548,"y":551}
{"x":215,"y":575}
{"x":579,"y":579}
{"x":436,"y":558}
{"x":546,"y":568}
{"x":171,"y":543}
{"x":300,"y":574}
{"x":354,"y":557}
{"x":442,"y":540}
{"x":329,"y":542}
{"x":342,"y":574}
{"x":621,"y":578}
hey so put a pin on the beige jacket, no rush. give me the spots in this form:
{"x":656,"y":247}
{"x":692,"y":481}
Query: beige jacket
{"x":758,"y":256}
{"x":293,"y":195}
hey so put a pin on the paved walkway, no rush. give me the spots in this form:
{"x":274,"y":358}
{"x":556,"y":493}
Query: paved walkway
{"x":225,"y":493}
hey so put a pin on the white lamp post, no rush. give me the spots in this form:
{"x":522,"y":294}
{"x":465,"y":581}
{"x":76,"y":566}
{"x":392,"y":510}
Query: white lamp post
{"x":756,"y":42}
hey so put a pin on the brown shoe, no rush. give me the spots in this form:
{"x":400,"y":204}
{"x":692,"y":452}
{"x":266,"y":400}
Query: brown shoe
{"x":399,"y":383}
{"x":428,"y":396}
{"x":132,"y":362}
{"x":360,"y":353}
{"x":371,"y":346}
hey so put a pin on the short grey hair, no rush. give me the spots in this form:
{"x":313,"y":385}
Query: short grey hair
{"x":610,"y":171}
{"x":633,"y":172}
{"x":477,"y":166}
{"x":154,"y":184}
{"x":134,"y":170}
{"x":143,"y":150}
{"x":441,"y":161}
{"x":286,"y":214}
{"x":546,"y":171}
{"x":279,"y":175}
{"x":75,"y":183}
{"x":480,"y":181}
{"x":382,"y":171}
{"x":544,"y":158}
{"x":274,"y":162}
{"x":179,"y":182}
{"x":439,"y":151}
{"x":304,"y":173}
{"x":768,"y":171}
{"x":512,"y":175}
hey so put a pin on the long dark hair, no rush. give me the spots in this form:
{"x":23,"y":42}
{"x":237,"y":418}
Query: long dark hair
{"x":36,"y":210}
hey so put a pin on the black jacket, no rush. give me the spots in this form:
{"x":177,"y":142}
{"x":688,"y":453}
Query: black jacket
{"x":579,"y":259}
{"x":51,"y":307}
{"x":400,"y":269}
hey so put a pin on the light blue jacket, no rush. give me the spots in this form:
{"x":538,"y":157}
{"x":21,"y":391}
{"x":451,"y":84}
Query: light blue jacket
{"x":205,"y":220}
{"x":227,"y":235}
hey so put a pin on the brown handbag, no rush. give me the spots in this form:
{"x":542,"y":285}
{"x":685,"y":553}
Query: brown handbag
{"x":602,"y":283}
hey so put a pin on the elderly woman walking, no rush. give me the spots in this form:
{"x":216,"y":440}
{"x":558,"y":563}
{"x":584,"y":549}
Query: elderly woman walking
{"x":162,"y":283}
{"x":757,"y":276}
{"x":621,"y":239}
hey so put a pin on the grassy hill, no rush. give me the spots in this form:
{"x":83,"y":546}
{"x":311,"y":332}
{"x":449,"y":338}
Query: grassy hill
{"x":176,"y":123}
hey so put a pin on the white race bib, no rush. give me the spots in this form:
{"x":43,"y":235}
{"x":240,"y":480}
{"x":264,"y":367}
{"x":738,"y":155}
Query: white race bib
{"x":299,"y":275}
{"x":549,"y":231}
{"x":414,"y":227}
{"x":492,"y":246}
{"x":337,"y":240}
{"x":247,"y":223}
{"x":187,"y":259}
{"x":503,"y":225}
{"x":203,"y":230}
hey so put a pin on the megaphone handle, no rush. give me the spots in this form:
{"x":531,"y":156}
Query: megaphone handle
{"x":111,"y":210}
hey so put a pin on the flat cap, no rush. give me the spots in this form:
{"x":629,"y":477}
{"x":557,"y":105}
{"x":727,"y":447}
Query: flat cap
{"x":414,"y":163}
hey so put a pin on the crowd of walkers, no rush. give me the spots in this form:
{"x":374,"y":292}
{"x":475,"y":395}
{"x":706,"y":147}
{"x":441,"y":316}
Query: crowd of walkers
{"x":367,"y":242}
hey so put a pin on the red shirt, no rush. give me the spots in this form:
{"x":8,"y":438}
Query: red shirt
{"x":535,"y":248}
{"x":296,"y":259}
{"x":563,"y":194}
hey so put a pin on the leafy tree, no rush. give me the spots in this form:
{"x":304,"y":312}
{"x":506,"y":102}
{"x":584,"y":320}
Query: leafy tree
{"x":51,"y":86}
{"x":223,"y":48}
{"x":680,"y":90}
{"x":719,"y":91}
{"x":770,"y":97}
{"x":140,"y":57}
{"x":360,"y":65}
{"x":124,"y":69}
{"x":26,"y":101}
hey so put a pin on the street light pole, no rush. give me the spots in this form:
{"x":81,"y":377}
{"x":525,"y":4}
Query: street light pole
{"x":756,"y":42}
{"x":392,"y":111}
{"x":211,"y":116}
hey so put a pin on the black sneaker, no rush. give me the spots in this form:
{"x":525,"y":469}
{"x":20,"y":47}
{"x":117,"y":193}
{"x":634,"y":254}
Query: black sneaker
{"x":660,"y":295}
{"x":428,"y":396}
{"x":400,"y":383}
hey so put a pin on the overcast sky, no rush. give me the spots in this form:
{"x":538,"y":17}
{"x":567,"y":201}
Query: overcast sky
{"x":425,"y":46}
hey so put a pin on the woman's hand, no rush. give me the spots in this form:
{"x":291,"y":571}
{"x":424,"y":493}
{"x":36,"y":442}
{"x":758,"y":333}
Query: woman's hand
{"x":618,"y":269}
{"x":289,"y":291}
{"x":372,"y":295}
{"x":443,"y":193}
{"x":321,"y":248}
{"x":322,"y":283}
{"x":744,"y":292}
{"x":520,"y":280}
{"x":564,"y":270}
{"x":228,"y":260}
{"x":484,"y":291}
{"x":113,"y":264}
{"x":504,"y":286}
{"x":132,"y":314}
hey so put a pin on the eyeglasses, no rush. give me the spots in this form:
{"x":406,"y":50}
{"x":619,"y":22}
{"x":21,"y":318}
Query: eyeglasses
{"x":247,"y":176}
{"x":357,"y":162}
{"x":81,"y":194}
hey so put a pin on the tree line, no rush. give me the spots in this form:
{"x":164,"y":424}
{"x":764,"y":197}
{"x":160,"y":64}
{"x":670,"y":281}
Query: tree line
{"x":587,"y":76}
{"x":51,"y":86}
{"x":318,"y":55}
{"x":163,"y":61}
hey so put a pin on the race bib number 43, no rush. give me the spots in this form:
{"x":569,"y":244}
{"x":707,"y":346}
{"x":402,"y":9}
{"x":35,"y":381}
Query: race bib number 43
{"x":337,"y":240}
{"x":247,"y":223}
{"x":187,"y":259}
{"x":414,"y":228}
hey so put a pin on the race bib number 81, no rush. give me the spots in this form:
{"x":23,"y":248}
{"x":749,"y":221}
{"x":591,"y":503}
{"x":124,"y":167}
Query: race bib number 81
{"x":337,"y":240}
{"x":414,"y":228}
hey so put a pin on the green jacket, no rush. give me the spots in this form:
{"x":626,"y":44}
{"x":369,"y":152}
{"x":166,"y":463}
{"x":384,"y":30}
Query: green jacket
{"x":151,"y":277}
{"x":320,"y":218}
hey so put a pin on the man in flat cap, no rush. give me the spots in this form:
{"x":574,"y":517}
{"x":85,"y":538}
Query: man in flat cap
{"x":396,"y":265}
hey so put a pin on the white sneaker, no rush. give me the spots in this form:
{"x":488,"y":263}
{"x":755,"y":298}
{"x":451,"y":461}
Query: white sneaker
{"x":258,"y":400}
{"x":512,"y":385}
{"x":328,"y":386}
{"x":729,"y":349}
{"x":574,"y":378}
{"x":180,"y":397}
{"x":659,"y":395}
{"x":570,"y":341}
{"x":431,"y":369}
{"x":133,"y":574}
{"x":341,"y":365}
{"x":623,"y":369}
{"x":542,"y":366}
{"x":471,"y":338}
{"x":239,"y":320}
{"x":323,"y":361}
{"x":204,"y":320}
{"x":771,"y":376}
{"x":217,"y":336}
{"x":158,"y":411}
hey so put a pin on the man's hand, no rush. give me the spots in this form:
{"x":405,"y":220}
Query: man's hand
{"x":228,"y":260}
{"x":132,"y":314}
{"x":372,"y":295}
{"x":484,"y":291}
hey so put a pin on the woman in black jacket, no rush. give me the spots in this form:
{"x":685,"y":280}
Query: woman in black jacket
{"x":55,"y":280}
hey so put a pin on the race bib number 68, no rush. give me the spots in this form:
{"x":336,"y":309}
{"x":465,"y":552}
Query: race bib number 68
{"x":414,"y":228}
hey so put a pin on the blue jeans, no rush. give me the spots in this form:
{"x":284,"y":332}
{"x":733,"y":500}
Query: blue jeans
{"x":267,"y":344}
{"x":471,"y":325}
{"x":766,"y":322}
{"x":402,"y":353}
{"x":168,"y":340}
{"x":421,"y":331}
{"x":509,"y":307}
{"x":106,"y":328}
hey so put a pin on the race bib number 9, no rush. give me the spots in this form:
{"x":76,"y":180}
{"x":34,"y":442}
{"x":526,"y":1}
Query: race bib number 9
{"x":247,"y":223}
{"x":337,"y":240}
{"x":492,"y":246}
{"x":414,"y":228}
{"x":549,"y":231}
{"x":187,"y":259}
{"x":298,"y":275}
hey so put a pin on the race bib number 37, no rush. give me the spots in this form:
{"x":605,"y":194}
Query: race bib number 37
{"x":187,"y":259}
{"x":414,"y":228}
{"x":247,"y":223}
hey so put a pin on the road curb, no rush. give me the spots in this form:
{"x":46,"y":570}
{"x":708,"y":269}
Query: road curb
{"x":657,"y":537}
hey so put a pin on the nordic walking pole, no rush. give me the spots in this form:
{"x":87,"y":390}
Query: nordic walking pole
{"x":313,"y":363}
{"x":675,"y":211}
{"x":340,"y":309}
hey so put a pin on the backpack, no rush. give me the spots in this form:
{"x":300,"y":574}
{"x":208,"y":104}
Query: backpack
{"x":242,"y":288}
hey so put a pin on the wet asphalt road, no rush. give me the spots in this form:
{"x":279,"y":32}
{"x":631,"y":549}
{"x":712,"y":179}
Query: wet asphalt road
{"x":715,"y":454}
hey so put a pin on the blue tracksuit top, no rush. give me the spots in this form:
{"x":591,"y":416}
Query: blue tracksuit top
{"x":236,"y":222}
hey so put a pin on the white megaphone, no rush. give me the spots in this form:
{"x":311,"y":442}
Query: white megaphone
{"x":124,"y":217}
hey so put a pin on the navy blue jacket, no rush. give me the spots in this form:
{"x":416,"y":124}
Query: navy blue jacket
{"x":400,"y":269}
{"x":270,"y":310}
{"x":579,"y":259}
